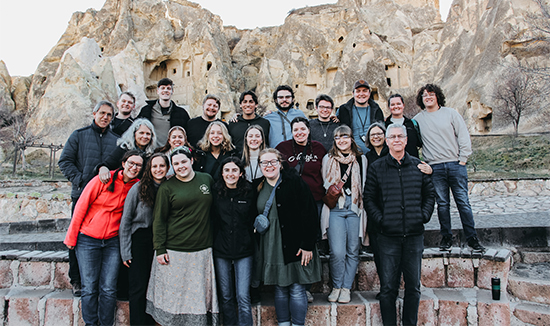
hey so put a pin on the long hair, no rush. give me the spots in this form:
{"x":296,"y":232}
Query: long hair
{"x":147,"y":189}
{"x":375,"y":124}
{"x":226,"y":144}
{"x":128,"y":138}
{"x":167,"y":147}
{"x":432,"y":88}
{"x":128,"y":154}
{"x":341,"y":131}
{"x":243,"y":186}
{"x":246,"y":149}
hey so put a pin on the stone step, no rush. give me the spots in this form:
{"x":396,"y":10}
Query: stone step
{"x":533,"y":313}
{"x":530,"y":282}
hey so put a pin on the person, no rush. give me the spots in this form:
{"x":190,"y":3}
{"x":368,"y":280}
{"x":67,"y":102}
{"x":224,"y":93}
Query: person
{"x":93,"y":233}
{"x":136,"y":235}
{"x":359,"y":112}
{"x":197,"y":126}
{"x":123,"y":120}
{"x":164,"y":113}
{"x":446,"y":147}
{"x":376,"y":142}
{"x":322,"y":128}
{"x":214,"y":146}
{"x":400,"y":199}
{"x":233,"y":212}
{"x":279,"y":120}
{"x":182,"y":286}
{"x":176,"y":137}
{"x":141,"y":136}
{"x":287,"y":257}
{"x":345,"y":224}
{"x":248,"y":103}
{"x":254,"y":143}
{"x":83,"y":151}
{"x":396,"y":104}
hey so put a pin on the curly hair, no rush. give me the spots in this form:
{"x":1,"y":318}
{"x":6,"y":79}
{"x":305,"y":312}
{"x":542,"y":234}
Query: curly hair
{"x":226,"y":144}
{"x":147,"y":189}
{"x":432,"y":88}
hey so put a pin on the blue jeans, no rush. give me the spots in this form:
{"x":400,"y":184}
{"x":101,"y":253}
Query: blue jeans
{"x":291,"y":304}
{"x":98,"y":261}
{"x":343,"y":237}
{"x":400,"y":255}
{"x":243,"y":270}
{"x":454,"y":176}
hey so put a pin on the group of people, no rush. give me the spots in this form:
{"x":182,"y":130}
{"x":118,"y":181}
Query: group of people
{"x":195,"y":214}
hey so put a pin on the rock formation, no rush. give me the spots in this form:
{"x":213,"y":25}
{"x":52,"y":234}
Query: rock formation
{"x":396,"y":45}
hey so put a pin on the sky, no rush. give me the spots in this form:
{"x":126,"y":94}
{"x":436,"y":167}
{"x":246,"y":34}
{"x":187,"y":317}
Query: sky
{"x":30,"y":28}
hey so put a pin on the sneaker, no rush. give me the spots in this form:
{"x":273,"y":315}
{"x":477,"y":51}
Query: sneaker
{"x":309,"y":297}
{"x":77,"y":290}
{"x":446,"y":243}
{"x":333,"y":296}
{"x":345,"y":296}
{"x":473,"y":242}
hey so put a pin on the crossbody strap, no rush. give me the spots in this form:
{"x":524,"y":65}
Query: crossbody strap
{"x":271,"y":197}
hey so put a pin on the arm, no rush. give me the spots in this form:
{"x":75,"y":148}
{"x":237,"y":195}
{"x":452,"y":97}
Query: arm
{"x":112,"y":162}
{"x":462,"y":137}
{"x":324,"y":172}
{"x":125,"y":230}
{"x":160,"y":219}
{"x":68,"y":160}
{"x":89,"y":195}
{"x":370,"y":197}
{"x":428,"y":197}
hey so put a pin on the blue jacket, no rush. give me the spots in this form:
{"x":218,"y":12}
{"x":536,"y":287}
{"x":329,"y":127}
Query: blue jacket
{"x":280,"y":124}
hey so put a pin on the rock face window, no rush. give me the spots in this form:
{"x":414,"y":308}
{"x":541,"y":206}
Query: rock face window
{"x":396,"y":76}
{"x":187,"y":68}
{"x":208,"y":65}
{"x":340,"y":39}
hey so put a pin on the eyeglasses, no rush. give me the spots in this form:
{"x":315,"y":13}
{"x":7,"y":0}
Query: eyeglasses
{"x":268,"y":163}
{"x":323,"y":107}
{"x":395,"y":137}
{"x":341,"y":137}
{"x":377,"y":134}
{"x":133,"y":164}
{"x":428,"y":95}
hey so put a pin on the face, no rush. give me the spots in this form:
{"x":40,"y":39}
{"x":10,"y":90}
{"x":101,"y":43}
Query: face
{"x":216,"y":135}
{"x":254,"y":139}
{"x":300,"y":133}
{"x":361,"y":95}
{"x":143,"y":136}
{"x":284,"y":99}
{"x":132,"y":166}
{"x":324,"y":109}
{"x":103,"y":116}
{"x":231,"y":174}
{"x":396,"y":107}
{"x":125,"y":104}
{"x":376,"y":137}
{"x":396,"y":140}
{"x":210,"y":109}
{"x":248,"y":105}
{"x":165,"y":92}
{"x":429,"y":99}
{"x":343,"y":143}
{"x":158,"y":168}
{"x":183,"y":166}
{"x":177,"y":138}
{"x":271,"y":167}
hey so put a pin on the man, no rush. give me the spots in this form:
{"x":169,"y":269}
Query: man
{"x":197,"y":126}
{"x":164,"y":113}
{"x":86,"y":148}
{"x":322,"y":128}
{"x":122,"y":121}
{"x":359,"y":112}
{"x":280,"y":120}
{"x":399,"y":199}
{"x":248,"y":103}
{"x":446,"y":147}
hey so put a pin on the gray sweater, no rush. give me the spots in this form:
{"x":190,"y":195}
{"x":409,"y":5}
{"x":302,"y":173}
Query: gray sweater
{"x":136,"y":215}
{"x":445,"y":136}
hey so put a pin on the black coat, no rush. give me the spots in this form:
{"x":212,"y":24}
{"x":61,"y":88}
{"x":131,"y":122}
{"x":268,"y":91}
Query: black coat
{"x":414,"y":142}
{"x":237,"y":129}
{"x":399,"y":198}
{"x":345,"y":113}
{"x":203,"y":160}
{"x":178,"y":115}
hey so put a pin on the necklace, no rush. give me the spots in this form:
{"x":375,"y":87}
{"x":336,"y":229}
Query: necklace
{"x":325,"y":130}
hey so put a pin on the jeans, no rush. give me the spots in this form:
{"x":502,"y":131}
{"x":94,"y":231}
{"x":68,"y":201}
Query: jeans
{"x":453,"y":175}
{"x":400,"y":255}
{"x":243,"y":270}
{"x":291,"y":304}
{"x":343,"y":237}
{"x":138,"y":275}
{"x":99,"y":261}
{"x":74,"y":273}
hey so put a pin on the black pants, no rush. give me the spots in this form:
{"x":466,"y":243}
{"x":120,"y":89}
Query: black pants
{"x":138,"y":275}
{"x":74,"y":273}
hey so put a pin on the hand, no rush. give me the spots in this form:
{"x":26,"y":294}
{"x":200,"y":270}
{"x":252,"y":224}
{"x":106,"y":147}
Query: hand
{"x":306,"y":256}
{"x":425,"y":168}
{"x":70,"y":247}
{"x":127,"y":263}
{"x":335,"y":119}
{"x":462,"y":163}
{"x":104,"y":174}
{"x":234,"y":118}
{"x":163,"y":259}
{"x":267,"y":112}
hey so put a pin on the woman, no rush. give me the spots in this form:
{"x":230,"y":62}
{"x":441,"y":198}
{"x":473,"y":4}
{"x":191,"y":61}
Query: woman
{"x":376,"y":142}
{"x":287,"y":256}
{"x":136,"y":235}
{"x":214,"y":146}
{"x":140,"y":136}
{"x":346,"y":223}
{"x":182,"y":287}
{"x":176,"y":137}
{"x":396,"y":104}
{"x":254,"y":142}
{"x":234,"y":211}
{"x":93,"y":233}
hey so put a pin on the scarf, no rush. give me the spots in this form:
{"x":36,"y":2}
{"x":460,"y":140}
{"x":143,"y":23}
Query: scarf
{"x":334,"y":176}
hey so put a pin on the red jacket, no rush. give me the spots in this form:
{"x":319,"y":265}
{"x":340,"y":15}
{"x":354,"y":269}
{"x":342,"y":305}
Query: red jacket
{"x":98,"y":211}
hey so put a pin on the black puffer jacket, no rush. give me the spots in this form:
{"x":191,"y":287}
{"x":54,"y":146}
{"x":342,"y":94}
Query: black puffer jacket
{"x":399,"y":198}
{"x":178,"y":115}
{"x":84,"y":150}
{"x":414,"y":142}
{"x":345,"y":113}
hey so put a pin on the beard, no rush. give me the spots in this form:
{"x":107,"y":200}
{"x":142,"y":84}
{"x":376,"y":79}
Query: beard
{"x":284,"y":108}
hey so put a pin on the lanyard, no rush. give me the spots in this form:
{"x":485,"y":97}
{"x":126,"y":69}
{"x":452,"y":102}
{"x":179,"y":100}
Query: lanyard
{"x":283,"y":116}
{"x":364,"y":121}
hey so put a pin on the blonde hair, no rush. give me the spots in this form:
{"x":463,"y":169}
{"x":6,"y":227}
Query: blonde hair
{"x":205,"y":143}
